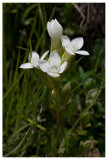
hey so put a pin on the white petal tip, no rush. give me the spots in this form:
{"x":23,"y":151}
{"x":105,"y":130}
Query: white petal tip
{"x":26,"y":66}
{"x":65,"y":41}
{"x":63,"y":67}
{"x":53,"y":74}
{"x":44,"y":55}
{"x":77,"y":42}
{"x":83,"y":53}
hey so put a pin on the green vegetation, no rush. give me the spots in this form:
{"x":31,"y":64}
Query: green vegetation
{"x":29,"y":129}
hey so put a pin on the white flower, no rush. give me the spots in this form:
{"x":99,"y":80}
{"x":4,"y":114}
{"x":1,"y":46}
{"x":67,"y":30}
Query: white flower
{"x":73,"y":46}
{"x":34,"y":60}
{"x":53,"y":66}
{"x":55,"y":31}
{"x":54,"y":28}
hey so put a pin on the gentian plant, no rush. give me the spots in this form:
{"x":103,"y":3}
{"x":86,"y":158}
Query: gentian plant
{"x":54,"y":66}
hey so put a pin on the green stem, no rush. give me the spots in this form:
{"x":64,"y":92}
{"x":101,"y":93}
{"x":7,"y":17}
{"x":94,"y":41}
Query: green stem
{"x":58,"y":126}
{"x":56,"y":145}
{"x":58,"y":120}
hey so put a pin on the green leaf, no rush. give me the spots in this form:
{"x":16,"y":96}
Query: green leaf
{"x":66,"y":88}
{"x":71,"y":109}
{"x":65,"y":93}
{"x":55,"y":82}
{"x":17,"y":65}
{"x":22,"y":142}
{"x":55,"y":97}
{"x":42,"y":35}
{"x":41,"y":127}
{"x":75,"y":88}
{"x":13,"y":85}
{"x":98,"y":59}
{"x":86,"y":75}
{"x":44,"y":77}
{"x":25,"y":49}
{"x":75,"y":124}
{"x":30,"y":51}
{"x":17,"y":131}
{"x":71,"y":67}
{"x":41,"y":15}
{"x":61,"y":150}
{"x":29,"y":120}
{"x":94,"y":100}
{"x":56,"y":142}
{"x":27,"y":11}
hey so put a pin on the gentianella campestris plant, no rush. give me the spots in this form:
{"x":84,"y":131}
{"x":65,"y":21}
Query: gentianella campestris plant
{"x":54,"y":68}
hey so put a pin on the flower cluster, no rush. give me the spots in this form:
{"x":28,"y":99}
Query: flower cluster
{"x":61,"y":48}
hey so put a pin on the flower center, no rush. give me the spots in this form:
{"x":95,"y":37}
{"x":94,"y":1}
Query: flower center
{"x":72,"y":48}
{"x":54,"y":69}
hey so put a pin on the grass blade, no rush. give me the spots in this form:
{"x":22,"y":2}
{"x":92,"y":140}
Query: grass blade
{"x":38,"y":44}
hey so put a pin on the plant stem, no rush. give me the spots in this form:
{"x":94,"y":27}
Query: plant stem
{"x":56,"y":145}
{"x":58,"y":121}
{"x":58,"y":126}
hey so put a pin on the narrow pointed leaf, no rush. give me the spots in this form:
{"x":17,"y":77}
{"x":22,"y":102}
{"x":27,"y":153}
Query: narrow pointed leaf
{"x":25,"y":49}
{"x":72,"y":66}
{"x":41,"y":127}
{"x":65,"y":93}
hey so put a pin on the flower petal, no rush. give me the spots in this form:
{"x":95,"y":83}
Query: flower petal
{"x":65,"y":41}
{"x":44,"y":65}
{"x":54,"y":58}
{"x":69,"y":51}
{"x":81,"y":52}
{"x":59,"y":28}
{"x":77,"y":43}
{"x":63,"y":67}
{"x":26,"y":66}
{"x":49,"y":28}
{"x":56,"y":29}
{"x":44,"y":55}
{"x":34,"y":59}
{"x":53,"y":74}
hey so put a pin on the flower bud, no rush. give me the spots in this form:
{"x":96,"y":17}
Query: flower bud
{"x":55,"y":31}
{"x":54,"y":28}
{"x":55,"y":97}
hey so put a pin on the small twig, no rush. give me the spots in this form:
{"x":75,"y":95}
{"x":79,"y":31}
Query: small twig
{"x":79,"y":10}
{"x":88,"y":15}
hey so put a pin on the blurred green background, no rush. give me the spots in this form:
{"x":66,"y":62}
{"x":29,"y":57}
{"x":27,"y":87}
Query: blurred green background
{"x":25,"y":98}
